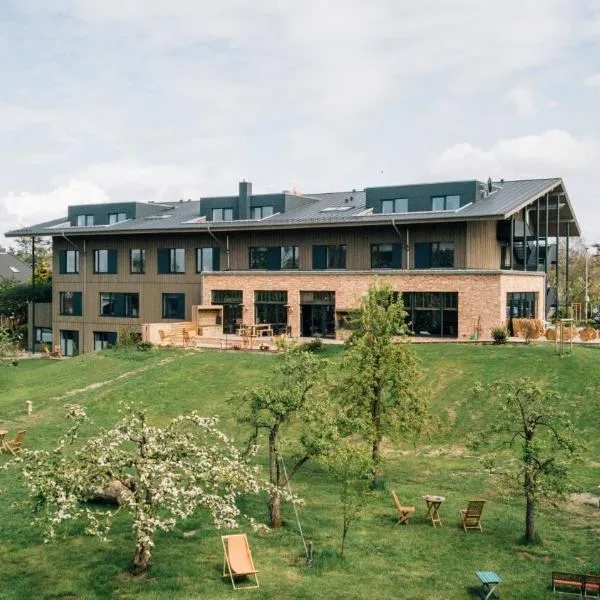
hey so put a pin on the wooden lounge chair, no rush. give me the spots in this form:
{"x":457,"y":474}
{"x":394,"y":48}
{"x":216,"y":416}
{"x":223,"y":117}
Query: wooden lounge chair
{"x":14,"y":446}
{"x":471,"y":516}
{"x":404,"y":512}
{"x":237,"y":560}
{"x":57,"y":352}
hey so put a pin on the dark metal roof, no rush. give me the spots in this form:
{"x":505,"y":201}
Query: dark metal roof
{"x":349,"y":208}
{"x":13,"y":268}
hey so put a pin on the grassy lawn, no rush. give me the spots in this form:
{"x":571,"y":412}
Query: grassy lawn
{"x":382,"y":561}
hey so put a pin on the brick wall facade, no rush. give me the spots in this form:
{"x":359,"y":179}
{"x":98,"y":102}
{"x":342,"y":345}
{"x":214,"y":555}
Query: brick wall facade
{"x":481,"y":295}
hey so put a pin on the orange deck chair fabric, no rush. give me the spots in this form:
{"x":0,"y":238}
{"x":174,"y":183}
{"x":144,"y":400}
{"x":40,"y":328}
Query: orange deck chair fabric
{"x":238,"y":559}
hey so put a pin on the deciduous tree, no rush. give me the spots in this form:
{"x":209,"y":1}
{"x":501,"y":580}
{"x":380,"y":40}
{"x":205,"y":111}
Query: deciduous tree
{"x":171,"y":472}
{"x":296,"y":394}
{"x":350,"y":465}
{"x":526,"y":417}
{"x":379,"y":386}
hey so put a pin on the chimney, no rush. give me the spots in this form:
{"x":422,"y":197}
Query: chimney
{"x":244,"y":200}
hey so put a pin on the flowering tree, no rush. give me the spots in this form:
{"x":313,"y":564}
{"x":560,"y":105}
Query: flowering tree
{"x":296,"y":394}
{"x":168,"y":472}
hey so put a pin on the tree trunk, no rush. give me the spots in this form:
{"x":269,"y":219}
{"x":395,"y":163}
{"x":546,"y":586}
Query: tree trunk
{"x":529,"y":486}
{"x":530,"y":520}
{"x":376,"y":416}
{"x":274,"y":502}
{"x":141,"y":558}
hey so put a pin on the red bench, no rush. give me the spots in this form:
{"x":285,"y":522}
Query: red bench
{"x":576,"y":583}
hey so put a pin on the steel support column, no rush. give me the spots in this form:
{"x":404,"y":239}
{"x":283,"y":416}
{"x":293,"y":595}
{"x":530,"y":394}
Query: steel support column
{"x":557,"y":254}
{"x":567,"y":286}
{"x":512,"y":242}
{"x":31,"y":325}
{"x":537,"y":235}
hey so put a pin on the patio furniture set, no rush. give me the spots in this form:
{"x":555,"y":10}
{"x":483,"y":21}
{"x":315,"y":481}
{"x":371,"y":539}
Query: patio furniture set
{"x":11,"y":446}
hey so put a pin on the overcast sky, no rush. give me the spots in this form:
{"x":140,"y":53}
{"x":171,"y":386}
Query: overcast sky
{"x":116,"y":100}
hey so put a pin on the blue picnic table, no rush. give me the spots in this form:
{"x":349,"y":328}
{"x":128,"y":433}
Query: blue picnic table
{"x":489,"y":581}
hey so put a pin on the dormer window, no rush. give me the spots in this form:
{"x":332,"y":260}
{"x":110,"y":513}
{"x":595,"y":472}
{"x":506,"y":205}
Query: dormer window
{"x":445,"y":203}
{"x":116,"y":218}
{"x":85,"y":220}
{"x":260,"y":212}
{"x":222,"y":214}
{"x":395,"y":205}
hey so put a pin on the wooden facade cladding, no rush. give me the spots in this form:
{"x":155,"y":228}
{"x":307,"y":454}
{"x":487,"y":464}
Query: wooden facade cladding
{"x":483,"y":250}
{"x":475,"y":247}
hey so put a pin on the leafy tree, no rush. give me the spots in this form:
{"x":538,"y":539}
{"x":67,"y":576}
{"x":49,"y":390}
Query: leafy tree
{"x":22,"y":250}
{"x":295,"y":394}
{"x":541,"y":436}
{"x":379,"y":385}
{"x":351,"y":466}
{"x":15,"y":295}
{"x":170,"y":472}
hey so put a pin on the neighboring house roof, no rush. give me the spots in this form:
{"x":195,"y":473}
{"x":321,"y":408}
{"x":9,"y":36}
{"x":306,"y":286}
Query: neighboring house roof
{"x":12,"y":268}
{"x":326,"y":209}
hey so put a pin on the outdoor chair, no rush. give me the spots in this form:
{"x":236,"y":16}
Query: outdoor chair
{"x":14,"y":446}
{"x":471,"y":516}
{"x":404,"y":512}
{"x":237,"y":560}
{"x":57,"y":352}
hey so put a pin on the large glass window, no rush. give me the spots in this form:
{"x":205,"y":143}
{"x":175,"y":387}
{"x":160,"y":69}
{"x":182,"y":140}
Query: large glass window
{"x":432,"y":313}
{"x":171,"y":261}
{"x":104,"y":339}
{"x":116,"y":218}
{"x":521,"y":305}
{"x":289,"y":257}
{"x":445,"y":202}
{"x":222,"y":214}
{"x":173,"y":306}
{"x":231,"y":301}
{"x":273,"y":258}
{"x":395,"y":205}
{"x":69,"y":342}
{"x":434,"y":255}
{"x":85,"y":220}
{"x":69,"y":261}
{"x":70,"y":304}
{"x":105,"y":261}
{"x":43,"y":335}
{"x":329,"y":257}
{"x":261,"y":212}
{"x":138,"y":261}
{"x":271,"y":308}
{"x":317,"y":314}
{"x":386,"y":256}
{"x":258,"y":257}
{"x":119,"y":305}
{"x":207,"y":259}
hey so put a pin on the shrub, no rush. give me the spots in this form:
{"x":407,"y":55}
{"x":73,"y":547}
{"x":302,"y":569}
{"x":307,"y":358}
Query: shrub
{"x":587,"y":334}
{"x":144,"y":346}
{"x":128,"y":338}
{"x":314,"y":346}
{"x":499,"y":334}
{"x":528,"y":329}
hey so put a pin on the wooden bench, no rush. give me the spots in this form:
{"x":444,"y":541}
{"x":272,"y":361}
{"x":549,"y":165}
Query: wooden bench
{"x":576,"y":583}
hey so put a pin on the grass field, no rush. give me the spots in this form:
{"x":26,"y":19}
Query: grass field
{"x":381,"y":561}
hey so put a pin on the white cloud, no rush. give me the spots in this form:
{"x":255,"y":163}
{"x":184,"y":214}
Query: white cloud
{"x":23,"y":209}
{"x":523,"y":101}
{"x":547,"y":155}
{"x":592,"y":81}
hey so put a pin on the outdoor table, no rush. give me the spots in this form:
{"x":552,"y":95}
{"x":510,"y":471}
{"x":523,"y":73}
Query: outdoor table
{"x":433,"y":507}
{"x":3,"y":433}
{"x":489,"y":581}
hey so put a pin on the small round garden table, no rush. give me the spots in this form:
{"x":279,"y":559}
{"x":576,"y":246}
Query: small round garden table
{"x":433,"y":507}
